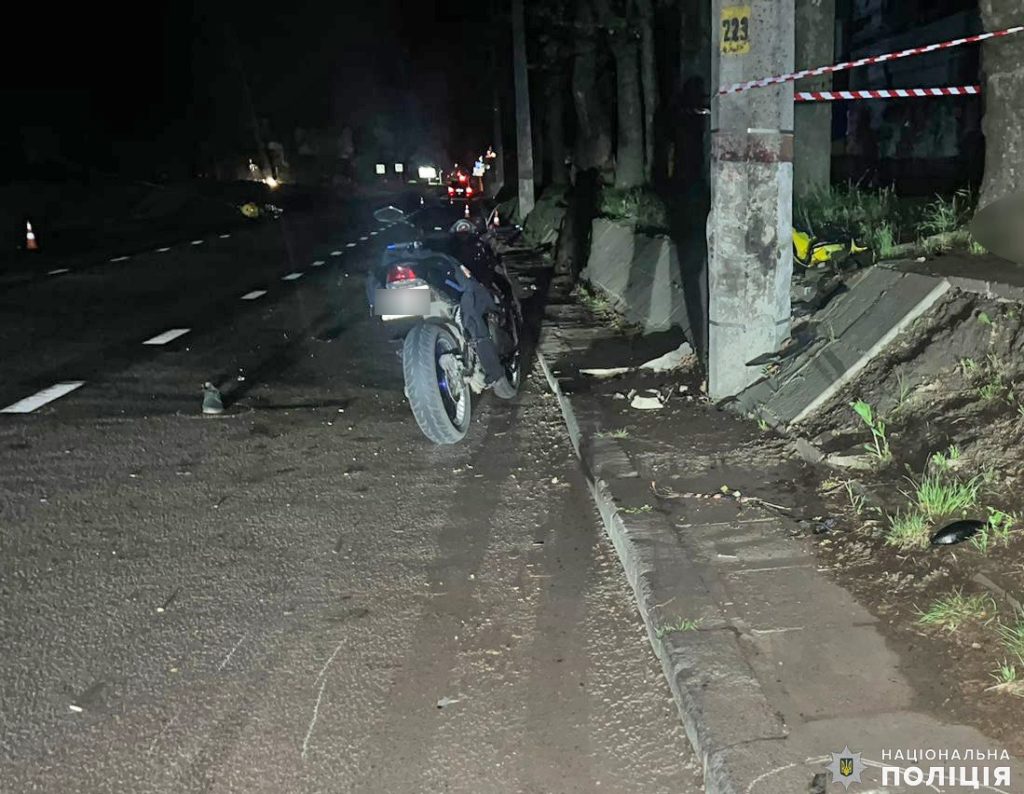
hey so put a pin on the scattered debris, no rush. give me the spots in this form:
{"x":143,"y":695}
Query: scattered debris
{"x":666,"y":363}
{"x":723,"y":493}
{"x":447,"y":701}
{"x":671,"y":360}
{"x":957,"y":532}
{"x":856,"y":462}
{"x":611,"y":372}
{"x":649,"y":399}
{"x":163,"y":608}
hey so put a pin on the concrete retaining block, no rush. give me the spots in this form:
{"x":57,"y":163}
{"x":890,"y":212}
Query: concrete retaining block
{"x":640,"y":273}
{"x":856,"y":327}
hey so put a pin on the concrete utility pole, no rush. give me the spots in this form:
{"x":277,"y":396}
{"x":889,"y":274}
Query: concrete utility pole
{"x":1003,"y":63}
{"x":750,"y":256}
{"x":497,"y":181}
{"x":812,"y":144}
{"x":524,"y":134}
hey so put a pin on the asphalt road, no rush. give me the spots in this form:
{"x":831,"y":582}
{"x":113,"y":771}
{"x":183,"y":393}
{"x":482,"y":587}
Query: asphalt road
{"x":302,"y":594}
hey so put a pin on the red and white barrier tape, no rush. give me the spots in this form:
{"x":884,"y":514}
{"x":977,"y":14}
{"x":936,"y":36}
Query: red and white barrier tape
{"x":886,"y":93}
{"x":889,"y":56}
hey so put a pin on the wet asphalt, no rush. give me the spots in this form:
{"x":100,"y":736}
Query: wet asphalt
{"x":302,"y":594}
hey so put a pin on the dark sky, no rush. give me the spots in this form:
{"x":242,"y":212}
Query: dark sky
{"x":112,"y":82}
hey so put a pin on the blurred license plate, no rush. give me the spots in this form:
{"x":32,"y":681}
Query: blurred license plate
{"x":392,"y":304}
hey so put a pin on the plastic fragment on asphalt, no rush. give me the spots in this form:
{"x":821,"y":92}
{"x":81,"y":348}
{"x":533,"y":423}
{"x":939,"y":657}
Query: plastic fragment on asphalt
{"x":75,"y":708}
{"x":446,"y":701}
{"x":671,"y":360}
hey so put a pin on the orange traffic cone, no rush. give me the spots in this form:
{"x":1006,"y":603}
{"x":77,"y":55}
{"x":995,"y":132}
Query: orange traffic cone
{"x":30,"y":238}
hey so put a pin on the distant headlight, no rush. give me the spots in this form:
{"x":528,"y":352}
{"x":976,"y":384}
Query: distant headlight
{"x":271,"y":182}
{"x":427,"y":172}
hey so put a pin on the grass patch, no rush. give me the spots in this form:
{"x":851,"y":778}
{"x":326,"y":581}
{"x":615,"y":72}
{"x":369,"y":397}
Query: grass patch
{"x":908,"y":530}
{"x":944,"y":461}
{"x":857,"y":500}
{"x":1008,"y":679}
{"x":1012,"y":635}
{"x":622,"y":432}
{"x":632,"y":511}
{"x":679,"y":626}
{"x":874,"y":218}
{"x":886,"y":223}
{"x":938,"y":495}
{"x":945,"y":216}
{"x":597,"y":303}
{"x":998,"y":531}
{"x":951,"y":612}
{"x":639,"y":205}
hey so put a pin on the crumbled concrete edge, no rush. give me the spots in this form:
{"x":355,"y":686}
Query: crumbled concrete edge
{"x":685,"y":668}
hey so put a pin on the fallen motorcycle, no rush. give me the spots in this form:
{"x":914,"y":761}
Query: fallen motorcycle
{"x":455,"y":303}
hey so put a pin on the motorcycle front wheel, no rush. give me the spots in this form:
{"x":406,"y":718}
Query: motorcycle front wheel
{"x":439,"y":397}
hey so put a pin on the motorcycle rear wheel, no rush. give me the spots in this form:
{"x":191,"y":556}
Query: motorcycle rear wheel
{"x":442,"y":409}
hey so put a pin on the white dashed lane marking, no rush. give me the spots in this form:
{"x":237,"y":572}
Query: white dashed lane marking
{"x":197,"y":242}
{"x":58,"y":271}
{"x":318,"y":263}
{"x":335,"y":253}
{"x":224,"y":236}
{"x":363,"y":239}
{"x":254,"y":295}
{"x":373,"y":234}
{"x":350,"y":245}
{"x":291,"y":277}
{"x":162,"y":250}
{"x":120,"y":259}
{"x":41,"y":398}
{"x":167,"y":336}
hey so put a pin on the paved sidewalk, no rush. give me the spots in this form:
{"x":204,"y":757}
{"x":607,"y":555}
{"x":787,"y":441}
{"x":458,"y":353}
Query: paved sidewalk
{"x":774,"y":666}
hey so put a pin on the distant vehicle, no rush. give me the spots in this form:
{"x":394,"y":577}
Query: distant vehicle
{"x":461,"y":318}
{"x":460,"y":188}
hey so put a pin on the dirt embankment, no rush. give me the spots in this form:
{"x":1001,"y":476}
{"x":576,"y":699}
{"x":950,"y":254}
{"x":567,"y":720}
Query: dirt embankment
{"x":950,"y":398}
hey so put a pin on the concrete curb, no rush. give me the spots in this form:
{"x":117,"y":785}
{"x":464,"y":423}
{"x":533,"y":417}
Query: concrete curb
{"x":720,"y":700}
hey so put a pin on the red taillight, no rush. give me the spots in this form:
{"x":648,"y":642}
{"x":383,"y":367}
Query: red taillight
{"x":469,"y":191}
{"x":451,"y":191}
{"x":399,"y":273}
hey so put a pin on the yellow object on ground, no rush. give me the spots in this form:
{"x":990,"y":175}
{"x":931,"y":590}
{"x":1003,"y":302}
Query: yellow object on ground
{"x":250,"y":210}
{"x":809,"y":252}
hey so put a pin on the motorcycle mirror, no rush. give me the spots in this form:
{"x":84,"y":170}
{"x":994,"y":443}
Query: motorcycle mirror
{"x":388,"y":214}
